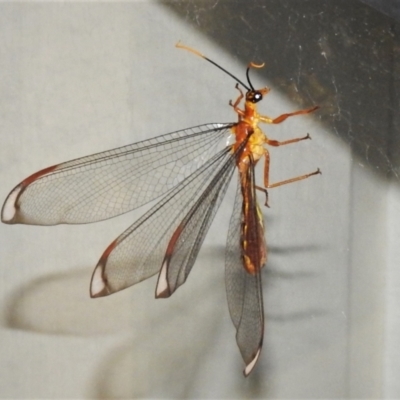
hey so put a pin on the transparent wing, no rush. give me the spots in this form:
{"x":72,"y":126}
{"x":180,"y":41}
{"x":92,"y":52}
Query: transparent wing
{"x":110,"y":183}
{"x":244,"y":289}
{"x":186,"y":241}
{"x":139,"y":252}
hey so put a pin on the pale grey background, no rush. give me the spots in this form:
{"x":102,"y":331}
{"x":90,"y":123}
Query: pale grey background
{"x":78,"y":78}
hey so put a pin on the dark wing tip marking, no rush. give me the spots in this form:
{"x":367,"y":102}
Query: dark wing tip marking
{"x":162,"y":290}
{"x":99,"y":284}
{"x":37,"y":175}
{"x":250,"y":366}
{"x":10,"y":211}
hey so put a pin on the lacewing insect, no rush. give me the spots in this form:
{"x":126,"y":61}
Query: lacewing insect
{"x":189,"y":173}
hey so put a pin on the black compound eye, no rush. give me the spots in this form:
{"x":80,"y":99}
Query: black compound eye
{"x":257,"y":97}
{"x":254,"y":96}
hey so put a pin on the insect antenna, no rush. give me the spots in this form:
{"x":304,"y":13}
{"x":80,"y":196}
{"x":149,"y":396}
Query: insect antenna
{"x":252,"y":65}
{"x":197,"y":53}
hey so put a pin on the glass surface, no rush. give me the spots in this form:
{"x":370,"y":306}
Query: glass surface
{"x":79,"y":78}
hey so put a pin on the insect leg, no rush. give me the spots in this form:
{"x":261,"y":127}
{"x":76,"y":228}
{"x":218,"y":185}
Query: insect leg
{"x":266,"y":177}
{"x":236,"y":103}
{"x":277,"y":143}
{"x":295,"y":179}
{"x":267,"y":185}
{"x":283,"y":117}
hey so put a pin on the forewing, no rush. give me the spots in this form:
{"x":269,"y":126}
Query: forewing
{"x":186,"y":241}
{"x":139,"y":252}
{"x":244,"y":289}
{"x":110,"y":183}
